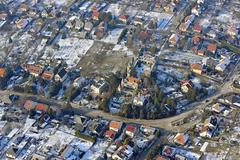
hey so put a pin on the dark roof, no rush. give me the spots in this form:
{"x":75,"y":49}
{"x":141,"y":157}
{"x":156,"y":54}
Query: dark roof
{"x":62,"y":72}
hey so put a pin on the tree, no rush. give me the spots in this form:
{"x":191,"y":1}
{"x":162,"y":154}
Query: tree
{"x":54,"y":88}
{"x":104,"y":105}
{"x":191,"y":94}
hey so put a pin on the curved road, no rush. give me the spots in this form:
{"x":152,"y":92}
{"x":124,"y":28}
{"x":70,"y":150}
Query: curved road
{"x":164,"y":123}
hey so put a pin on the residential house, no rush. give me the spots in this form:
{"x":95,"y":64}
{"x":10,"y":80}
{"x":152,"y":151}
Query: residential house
{"x":138,"y":20}
{"x":187,"y":22}
{"x":196,"y":68}
{"x":123,"y":153}
{"x":23,"y":7}
{"x":29,"y":105}
{"x":209,"y":127}
{"x":196,"y":40}
{"x":129,"y":82}
{"x":201,"y":52}
{"x":78,"y":24}
{"x":232,"y":31}
{"x":41,"y":107}
{"x":22,"y":23}
{"x":2,"y":72}
{"x":197,"y":28}
{"x":3,"y":15}
{"x":212,"y":48}
{"x":168,"y":151}
{"x":12,"y":152}
{"x":123,"y":18}
{"x":115,"y":126}
{"x":223,"y":64}
{"x":217,"y":107}
{"x":95,"y":15}
{"x":130,"y":130}
{"x":139,"y":100}
{"x":99,"y":87}
{"x":186,"y":85}
{"x":47,"y":75}
{"x":170,"y":7}
{"x":61,"y":75}
{"x":88,"y":26}
{"x":38,"y":157}
{"x":159,"y":157}
{"x":34,"y":70}
{"x":181,"y":138}
{"x":110,"y":134}
{"x":209,"y":62}
{"x":174,"y":38}
{"x":196,"y":10}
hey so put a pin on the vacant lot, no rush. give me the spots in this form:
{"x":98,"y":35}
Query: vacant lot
{"x":101,"y":58}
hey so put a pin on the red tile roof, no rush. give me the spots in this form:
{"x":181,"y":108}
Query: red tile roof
{"x":41,"y":107}
{"x":110,"y":134}
{"x":197,"y":28}
{"x":130,"y":128}
{"x":212,"y":48}
{"x":115,"y":124}
{"x":2,"y":72}
{"x":28,"y":105}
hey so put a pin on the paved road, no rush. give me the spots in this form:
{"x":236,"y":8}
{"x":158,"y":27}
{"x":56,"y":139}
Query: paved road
{"x":164,"y":123}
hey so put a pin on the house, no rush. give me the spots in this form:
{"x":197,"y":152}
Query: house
{"x":130,"y":130}
{"x":23,"y":8}
{"x":129,"y":82}
{"x":115,"y":126}
{"x":232,"y":31}
{"x":168,"y":151}
{"x":147,"y":131}
{"x":201,"y":52}
{"x":12,"y":152}
{"x":209,"y":62}
{"x":223,"y":64}
{"x":196,"y":68}
{"x":79,"y":24}
{"x":47,"y":75}
{"x":187,"y":22}
{"x":41,"y":107}
{"x":197,"y":28}
{"x":34,"y":70}
{"x":3,"y":15}
{"x":61,"y":75}
{"x":2,"y":72}
{"x":181,"y":139}
{"x":196,"y":40}
{"x":88,"y":26}
{"x":99,"y":87}
{"x":159,"y":157}
{"x":170,"y":7}
{"x":110,"y":134}
{"x":123,"y":153}
{"x":139,"y":100}
{"x":212,"y":48}
{"x":218,"y":108}
{"x":38,"y":157}
{"x":123,"y":18}
{"x":186,"y":85}
{"x":174,"y":38}
{"x":196,"y":10}
{"x":209,"y":127}
{"x":138,"y":20}
{"x":22,"y":23}
{"x":69,"y":24}
{"x":95,"y":15}
{"x":29,"y":105}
